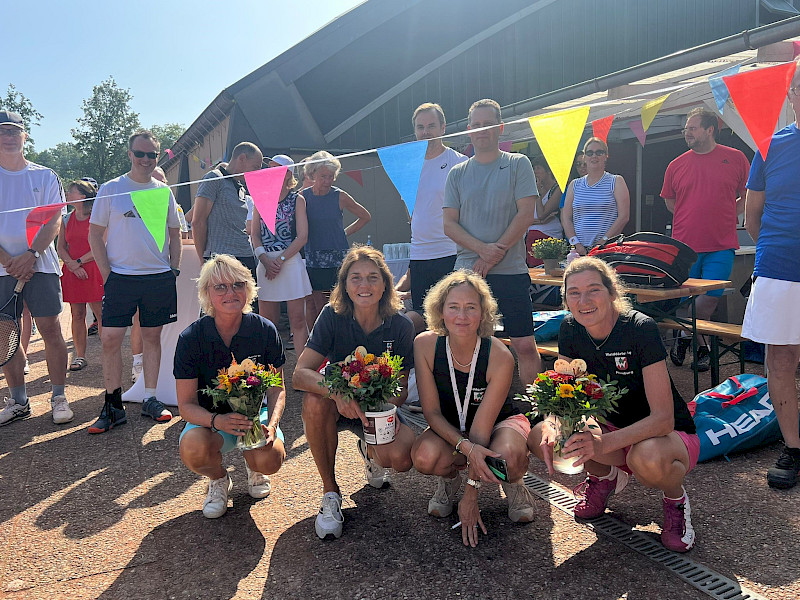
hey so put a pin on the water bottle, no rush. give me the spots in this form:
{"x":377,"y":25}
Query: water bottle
{"x":573,"y":254}
{"x":369,"y":241}
{"x":182,"y":220}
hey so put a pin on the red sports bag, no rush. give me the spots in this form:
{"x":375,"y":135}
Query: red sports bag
{"x":648,"y":259}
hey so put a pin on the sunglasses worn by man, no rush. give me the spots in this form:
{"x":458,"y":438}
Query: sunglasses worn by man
{"x":141,"y":154}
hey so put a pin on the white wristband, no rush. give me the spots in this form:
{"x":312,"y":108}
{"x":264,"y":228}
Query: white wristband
{"x":573,"y":240}
{"x":259,"y":251}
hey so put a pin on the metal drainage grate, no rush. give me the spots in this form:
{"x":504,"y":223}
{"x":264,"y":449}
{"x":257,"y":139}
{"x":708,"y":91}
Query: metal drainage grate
{"x":693,"y":573}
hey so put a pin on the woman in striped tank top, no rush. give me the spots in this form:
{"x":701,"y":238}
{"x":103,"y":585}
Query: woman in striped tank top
{"x":597,"y":205}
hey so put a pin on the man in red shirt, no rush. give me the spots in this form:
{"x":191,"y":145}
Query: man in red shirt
{"x":704,"y":188}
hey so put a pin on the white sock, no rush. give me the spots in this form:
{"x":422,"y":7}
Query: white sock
{"x":611,"y":474}
{"x":682,"y":496}
{"x":137,"y":359}
{"x":149,"y":393}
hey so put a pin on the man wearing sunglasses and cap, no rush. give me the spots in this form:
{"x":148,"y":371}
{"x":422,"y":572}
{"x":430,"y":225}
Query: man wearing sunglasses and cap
{"x":24,"y":184}
{"x":137,"y":274}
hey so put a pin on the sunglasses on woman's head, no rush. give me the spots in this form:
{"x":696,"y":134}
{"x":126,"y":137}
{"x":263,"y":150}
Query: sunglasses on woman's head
{"x":595,"y":152}
{"x":140,"y":154}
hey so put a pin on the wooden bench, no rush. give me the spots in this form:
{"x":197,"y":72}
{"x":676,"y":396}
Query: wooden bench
{"x":725,"y":337}
{"x":545,"y":348}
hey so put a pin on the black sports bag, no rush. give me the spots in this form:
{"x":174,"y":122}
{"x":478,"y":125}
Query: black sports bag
{"x":648,"y":259}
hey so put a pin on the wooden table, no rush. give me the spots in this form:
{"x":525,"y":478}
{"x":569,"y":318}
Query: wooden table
{"x":643,"y":298}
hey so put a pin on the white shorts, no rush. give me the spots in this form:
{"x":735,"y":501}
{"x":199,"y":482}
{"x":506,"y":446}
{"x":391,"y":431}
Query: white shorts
{"x":772,"y":316}
{"x":290,"y":284}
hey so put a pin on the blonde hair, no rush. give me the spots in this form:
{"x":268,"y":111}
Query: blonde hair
{"x":341,"y":303}
{"x":322,"y":160}
{"x":608,"y":276}
{"x":437,"y":296}
{"x":595,"y":140}
{"x":224,"y":268}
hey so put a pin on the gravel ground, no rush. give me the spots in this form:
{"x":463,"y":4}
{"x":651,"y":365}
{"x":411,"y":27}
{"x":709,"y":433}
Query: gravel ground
{"x":118,"y":516}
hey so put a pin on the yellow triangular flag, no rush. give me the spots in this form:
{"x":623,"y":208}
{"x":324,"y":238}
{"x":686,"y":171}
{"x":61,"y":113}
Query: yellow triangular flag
{"x":650,"y":109}
{"x":559,"y":134}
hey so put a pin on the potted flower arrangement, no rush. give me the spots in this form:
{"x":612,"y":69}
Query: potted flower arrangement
{"x":572,"y":395}
{"x":371,"y":381}
{"x":551,"y":251}
{"x":243,"y":386}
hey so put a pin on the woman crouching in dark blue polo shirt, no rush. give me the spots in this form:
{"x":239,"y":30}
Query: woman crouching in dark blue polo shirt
{"x":226,"y":290}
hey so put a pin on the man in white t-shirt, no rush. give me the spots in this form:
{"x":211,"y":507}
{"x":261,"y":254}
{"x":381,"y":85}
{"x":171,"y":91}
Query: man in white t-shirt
{"x":24,"y":184}
{"x":433,"y":254}
{"x":137,"y":275}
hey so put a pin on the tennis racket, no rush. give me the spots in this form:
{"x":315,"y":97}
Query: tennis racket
{"x":9,"y":327}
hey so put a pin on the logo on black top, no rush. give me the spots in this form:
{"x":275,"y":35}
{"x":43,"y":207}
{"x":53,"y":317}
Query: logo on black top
{"x":621,"y":362}
{"x":389,"y":345}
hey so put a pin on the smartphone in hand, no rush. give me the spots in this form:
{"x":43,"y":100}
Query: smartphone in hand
{"x":498,"y":466}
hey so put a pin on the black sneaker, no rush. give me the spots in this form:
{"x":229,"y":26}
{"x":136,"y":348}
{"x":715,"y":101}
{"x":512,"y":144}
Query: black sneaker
{"x":678,"y":351}
{"x":93,"y":328}
{"x":703,"y":360}
{"x":110,"y":417}
{"x":784,"y":474}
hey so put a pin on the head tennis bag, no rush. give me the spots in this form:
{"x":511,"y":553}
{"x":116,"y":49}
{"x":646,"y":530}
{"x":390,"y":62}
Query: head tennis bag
{"x":736,"y":415}
{"x":649,"y":259}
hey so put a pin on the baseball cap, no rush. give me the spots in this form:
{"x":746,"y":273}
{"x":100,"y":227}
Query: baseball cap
{"x":282,"y":160}
{"x":11,"y":118}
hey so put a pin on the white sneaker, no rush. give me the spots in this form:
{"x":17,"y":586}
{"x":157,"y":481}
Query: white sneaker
{"x":441,"y":504}
{"x":136,"y":370}
{"x":330,"y":518}
{"x":216,"y":503}
{"x":375,"y":474}
{"x":14,"y":412}
{"x":520,"y":502}
{"x":62,"y":413}
{"x":258,"y":484}
{"x":27,"y":368}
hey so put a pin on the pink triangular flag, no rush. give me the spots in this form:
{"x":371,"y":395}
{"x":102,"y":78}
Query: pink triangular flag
{"x":601,"y":127}
{"x":38,"y":217}
{"x":356,"y":176}
{"x":170,"y":153}
{"x":505,"y":146}
{"x":265,"y":186}
{"x":638,"y":130}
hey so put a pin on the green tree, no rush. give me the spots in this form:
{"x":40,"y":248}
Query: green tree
{"x":17,"y":102}
{"x":64,"y":159}
{"x":168,"y":134}
{"x":102,"y":135}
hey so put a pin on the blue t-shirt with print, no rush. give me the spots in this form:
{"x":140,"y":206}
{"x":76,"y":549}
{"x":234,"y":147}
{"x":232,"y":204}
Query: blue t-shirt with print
{"x":779,"y":178}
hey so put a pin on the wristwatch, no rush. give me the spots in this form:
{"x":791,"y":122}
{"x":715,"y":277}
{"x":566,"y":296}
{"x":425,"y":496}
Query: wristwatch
{"x":476,"y":484}
{"x":175,"y":271}
{"x":573,"y":241}
{"x":34,"y":252}
{"x":604,"y":238}
{"x":79,"y":261}
{"x":283,"y":258}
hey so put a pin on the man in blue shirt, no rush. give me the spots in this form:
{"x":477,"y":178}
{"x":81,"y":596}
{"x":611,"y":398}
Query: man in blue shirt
{"x":772,"y":218}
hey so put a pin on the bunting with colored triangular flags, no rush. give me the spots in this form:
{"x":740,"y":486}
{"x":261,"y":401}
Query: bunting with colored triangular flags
{"x":265,"y":190}
{"x":403,"y":164}
{"x":637,"y":129}
{"x":38,"y":217}
{"x":719,"y":89}
{"x":153,"y":205}
{"x":559,"y":134}
{"x":758,"y":95}
{"x":601,"y":127}
{"x":649,"y":111}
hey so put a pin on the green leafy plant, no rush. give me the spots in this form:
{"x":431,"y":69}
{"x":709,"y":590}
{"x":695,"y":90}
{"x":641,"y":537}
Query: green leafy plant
{"x":549,"y":248}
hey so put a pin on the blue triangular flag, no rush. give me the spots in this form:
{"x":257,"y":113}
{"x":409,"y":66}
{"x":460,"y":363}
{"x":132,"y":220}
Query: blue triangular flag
{"x":403,"y":164}
{"x":719,"y":89}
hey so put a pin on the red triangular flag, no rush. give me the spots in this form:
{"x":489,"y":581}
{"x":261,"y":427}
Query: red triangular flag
{"x":38,"y":217}
{"x":601,"y":127}
{"x":758,"y":95}
{"x":356,"y":176}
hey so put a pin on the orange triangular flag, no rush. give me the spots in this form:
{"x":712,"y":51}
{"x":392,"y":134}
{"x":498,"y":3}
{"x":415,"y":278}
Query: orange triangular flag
{"x":758,"y":95}
{"x":356,"y":176}
{"x":601,"y":127}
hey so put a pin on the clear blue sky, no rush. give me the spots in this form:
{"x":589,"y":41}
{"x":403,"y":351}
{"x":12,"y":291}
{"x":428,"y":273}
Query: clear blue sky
{"x":174,"y":56}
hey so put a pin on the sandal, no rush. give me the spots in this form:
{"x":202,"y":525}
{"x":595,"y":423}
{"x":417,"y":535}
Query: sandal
{"x":78,"y":363}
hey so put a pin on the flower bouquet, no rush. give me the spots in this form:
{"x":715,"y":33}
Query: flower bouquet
{"x":371,"y":381}
{"x":551,"y":251}
{"x":572,"y":395}
{"x":243,"y":386}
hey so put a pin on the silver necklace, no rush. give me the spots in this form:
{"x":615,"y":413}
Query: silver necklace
{"x":595,"y":344}
{"x":459,"y":363}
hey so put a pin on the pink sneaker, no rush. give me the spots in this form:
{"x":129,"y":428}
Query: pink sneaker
{"x":678,"y":533}
{"x":593,"y":493}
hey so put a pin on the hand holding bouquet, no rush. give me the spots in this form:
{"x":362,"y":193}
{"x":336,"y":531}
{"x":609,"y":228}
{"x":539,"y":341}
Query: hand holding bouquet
{"x":368,"y":379}
{"x":243,"y":386}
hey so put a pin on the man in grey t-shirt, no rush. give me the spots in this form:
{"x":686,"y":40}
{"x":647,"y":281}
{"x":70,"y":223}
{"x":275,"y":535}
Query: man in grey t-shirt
{"x":219,"y":214}
{"x":488,"y":207}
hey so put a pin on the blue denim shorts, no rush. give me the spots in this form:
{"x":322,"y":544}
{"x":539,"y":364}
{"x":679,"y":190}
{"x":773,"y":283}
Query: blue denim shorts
{"x":229,"y":440}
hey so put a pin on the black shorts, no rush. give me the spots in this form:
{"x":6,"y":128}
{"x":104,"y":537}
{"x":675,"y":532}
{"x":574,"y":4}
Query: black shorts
{"x":514,"y":302}
{"x":155,"y":296}
{"x":42,"y":295}
{"x":322,"y":280}
{"x":425,"y":274}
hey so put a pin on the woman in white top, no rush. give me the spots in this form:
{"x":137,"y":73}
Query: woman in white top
{"x":546,"y":223}
{"x":597,"y":205}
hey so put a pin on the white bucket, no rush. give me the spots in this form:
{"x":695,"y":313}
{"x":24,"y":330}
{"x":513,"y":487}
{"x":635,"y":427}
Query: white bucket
{"x":382,"y":425}
{"x":566,"y":465}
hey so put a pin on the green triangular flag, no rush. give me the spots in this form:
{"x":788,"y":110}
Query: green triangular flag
{"x":152,"y":206}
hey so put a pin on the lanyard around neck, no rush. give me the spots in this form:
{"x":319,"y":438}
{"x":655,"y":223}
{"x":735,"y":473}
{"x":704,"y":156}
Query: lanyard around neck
{"x":462,"y":407}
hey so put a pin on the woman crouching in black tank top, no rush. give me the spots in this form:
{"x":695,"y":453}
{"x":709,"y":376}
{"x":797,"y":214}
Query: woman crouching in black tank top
{"x":463,"y":376}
